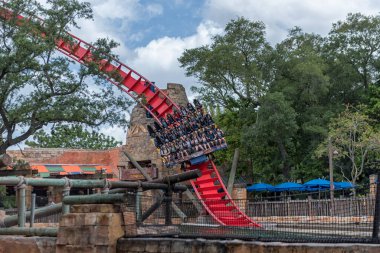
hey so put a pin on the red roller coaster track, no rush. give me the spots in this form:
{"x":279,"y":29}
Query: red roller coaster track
{"x":209,"y":188}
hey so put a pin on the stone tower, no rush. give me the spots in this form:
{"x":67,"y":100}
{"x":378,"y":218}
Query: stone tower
{"x":138,"y":143}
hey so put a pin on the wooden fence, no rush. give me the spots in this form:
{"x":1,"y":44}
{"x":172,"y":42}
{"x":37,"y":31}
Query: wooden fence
{"x":354,"y":206}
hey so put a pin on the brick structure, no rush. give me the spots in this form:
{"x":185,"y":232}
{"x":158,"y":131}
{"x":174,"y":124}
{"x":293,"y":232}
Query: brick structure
{"x":111,"y":157}
{"x":138,"y":144}
{"x":90,"y":228}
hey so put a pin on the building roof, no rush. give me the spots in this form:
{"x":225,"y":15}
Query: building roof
{"x":47,"y":170}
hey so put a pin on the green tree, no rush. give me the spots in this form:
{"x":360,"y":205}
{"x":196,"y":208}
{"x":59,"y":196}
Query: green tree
{"x":74,"y":136}
{"x":300,"y":75}
{"x":276,"y":126}
{"x":234,"y":71}
{"x":354,"y":47}
{"x":38,"y":86}
{"x":308,"y":80}
{"x":355,"y":140}
{"x":373,"y":103}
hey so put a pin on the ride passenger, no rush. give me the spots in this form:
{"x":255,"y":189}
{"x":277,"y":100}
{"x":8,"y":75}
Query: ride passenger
{"x":157,"y":126}
{"x":164,"y":123}
{"x":183,"y":111}
{"x":170,"y":119}
{"x":197,"y":104}
{"x":190,"y":108}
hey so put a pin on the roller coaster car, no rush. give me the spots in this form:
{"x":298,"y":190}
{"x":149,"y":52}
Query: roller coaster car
{"x":198,"y":156}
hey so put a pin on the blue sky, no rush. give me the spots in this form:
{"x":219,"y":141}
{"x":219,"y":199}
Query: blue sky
{"x":166,"y":18}
{"x":154,"y":33}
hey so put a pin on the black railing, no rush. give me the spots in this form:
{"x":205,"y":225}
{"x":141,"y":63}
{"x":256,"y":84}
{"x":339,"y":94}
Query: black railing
{"x":291,"y":218}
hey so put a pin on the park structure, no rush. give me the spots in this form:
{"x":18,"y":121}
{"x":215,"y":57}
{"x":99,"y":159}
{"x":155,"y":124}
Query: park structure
{"x":120,"y":218}
{"x":209,"y":187}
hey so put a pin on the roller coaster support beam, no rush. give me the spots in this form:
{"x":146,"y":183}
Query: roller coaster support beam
{"x":150,"y":186}
{"x":137,"y":165}
{"x":231,"y":179}
{"x":172,"y":179}
{"x":77,"y":183}
{"x":151,"y":209}
{"x":95,"y":199}
{"x":149,"y":178}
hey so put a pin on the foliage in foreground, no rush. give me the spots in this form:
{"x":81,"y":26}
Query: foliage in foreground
{"x":39,"y":86}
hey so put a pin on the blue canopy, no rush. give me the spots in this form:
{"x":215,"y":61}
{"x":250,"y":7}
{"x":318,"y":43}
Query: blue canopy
{"x":289,"y":186}
{"x":317,"y":183}
{"x":344,"y":185}
{"x":260,"y":187}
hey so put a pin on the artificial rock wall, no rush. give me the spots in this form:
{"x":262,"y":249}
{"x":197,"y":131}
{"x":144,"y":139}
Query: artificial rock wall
{"x":138,"y":143}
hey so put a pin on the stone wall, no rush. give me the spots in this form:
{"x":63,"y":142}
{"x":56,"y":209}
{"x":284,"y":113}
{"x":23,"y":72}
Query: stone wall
{"x":36,"y":155}
{"x":20,"y":244}
{"x":177,"y":93}
{"x":139,"y":143}
{"x":111,"y":157}
{"x":90,"y":229}
{"x":171,"y":245}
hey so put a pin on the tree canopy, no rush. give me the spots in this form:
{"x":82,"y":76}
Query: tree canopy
{"x":74,"y":136}
{"x":39,"y":86}
{"x":278,"y":103}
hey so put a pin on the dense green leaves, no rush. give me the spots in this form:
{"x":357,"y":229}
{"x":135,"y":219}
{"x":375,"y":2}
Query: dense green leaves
{"x":356,"y":42}
{"x":355,"y":141}
{"x":235,"y":69}
{"x":279,"y":101}
{"x":39,"y":86}
{"x":75,"y":136}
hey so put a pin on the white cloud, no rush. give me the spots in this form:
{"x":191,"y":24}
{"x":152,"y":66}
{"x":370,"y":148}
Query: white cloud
{"x":281,"y":15}
{"x":118,"y":133}
{"x":158,"y":60}
{"x":124,"y":9}
{"x":154,"y":9}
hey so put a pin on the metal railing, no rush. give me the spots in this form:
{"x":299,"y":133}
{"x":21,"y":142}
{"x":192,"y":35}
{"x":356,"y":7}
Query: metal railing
{"x":168,"y":185}
{"x":353,"y":219}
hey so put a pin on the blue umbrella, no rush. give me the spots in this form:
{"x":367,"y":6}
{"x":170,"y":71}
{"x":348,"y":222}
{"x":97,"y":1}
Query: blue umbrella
{"x":344,"y":185}
{"x":260,"y":187}
{"x":289,"y":186}
{"x":317,"y":183}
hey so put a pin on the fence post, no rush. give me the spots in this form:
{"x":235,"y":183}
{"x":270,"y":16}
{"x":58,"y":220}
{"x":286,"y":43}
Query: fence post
{"x":168,"y":210}
{"x":21,"y":207}
{"x":265,"y":208}
{"x":376,"y":218}
{"x":138,"y":206}
{"x":66,"y":192}
{"x":309,"y":205}
{"x":106,"y":187}
{"x":32,"y":209}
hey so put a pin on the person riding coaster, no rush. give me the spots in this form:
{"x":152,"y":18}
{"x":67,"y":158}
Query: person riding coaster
{"x":189,"y":133}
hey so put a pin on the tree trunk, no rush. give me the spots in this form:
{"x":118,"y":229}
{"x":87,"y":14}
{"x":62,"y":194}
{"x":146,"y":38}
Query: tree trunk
{"x":5,"y":160}
{"x":284,"y":156}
